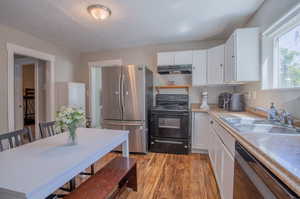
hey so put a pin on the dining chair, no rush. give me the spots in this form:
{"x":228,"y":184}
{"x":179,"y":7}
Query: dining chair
{"x":16,"y":138}
{"x":47,"y":129}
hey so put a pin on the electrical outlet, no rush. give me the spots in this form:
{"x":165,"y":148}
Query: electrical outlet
{"x":254,"y":94}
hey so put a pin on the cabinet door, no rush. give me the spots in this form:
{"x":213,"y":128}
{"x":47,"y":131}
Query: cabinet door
{"x":165,"y":58}
{"x":215,"y":60}
{"x":219,"y":162}
{"x":200,"y":131}
{"x":211,"y":147}
{"x":199,"y":76}
{"x":230,"y":63}
{"x":227,"y":174}
{"x":183,"y":57}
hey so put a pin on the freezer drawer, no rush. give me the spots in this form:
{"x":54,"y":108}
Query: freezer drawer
{"x":173,"y":146}
{"x":137,"y":135}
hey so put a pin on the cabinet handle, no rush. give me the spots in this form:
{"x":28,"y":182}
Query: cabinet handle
{"x":221,"y":65}
{"x":211,"y":122}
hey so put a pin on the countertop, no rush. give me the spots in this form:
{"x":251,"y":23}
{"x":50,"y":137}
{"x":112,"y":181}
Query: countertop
{"x":279,"y":153}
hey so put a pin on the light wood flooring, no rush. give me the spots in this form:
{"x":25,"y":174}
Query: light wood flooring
{"x":168,"y":176}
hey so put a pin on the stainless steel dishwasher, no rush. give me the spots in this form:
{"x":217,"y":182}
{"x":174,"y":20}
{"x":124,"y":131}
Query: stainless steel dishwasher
{"x":253,"y":180}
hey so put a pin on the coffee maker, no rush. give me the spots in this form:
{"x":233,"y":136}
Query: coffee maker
{"x":234,"y":102}
{"x":224,"y":100}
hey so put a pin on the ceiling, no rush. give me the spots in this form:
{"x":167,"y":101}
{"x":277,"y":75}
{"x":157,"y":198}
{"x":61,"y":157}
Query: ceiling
{"x":133,"y":22}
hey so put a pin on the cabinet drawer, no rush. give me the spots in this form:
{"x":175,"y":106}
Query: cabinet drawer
{"x":225,"y":136}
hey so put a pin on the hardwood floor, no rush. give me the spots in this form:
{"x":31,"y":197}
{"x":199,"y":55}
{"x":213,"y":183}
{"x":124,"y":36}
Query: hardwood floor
{"x":169,"y":176}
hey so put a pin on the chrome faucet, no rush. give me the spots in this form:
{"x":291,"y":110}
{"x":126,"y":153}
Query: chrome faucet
{"x":286,"y":119}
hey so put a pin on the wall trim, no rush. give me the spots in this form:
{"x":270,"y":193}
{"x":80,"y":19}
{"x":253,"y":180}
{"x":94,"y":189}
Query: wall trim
{"x":13,"y":49}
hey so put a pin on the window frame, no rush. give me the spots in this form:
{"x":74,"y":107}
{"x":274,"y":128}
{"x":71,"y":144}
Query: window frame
{"x":270,"y":49}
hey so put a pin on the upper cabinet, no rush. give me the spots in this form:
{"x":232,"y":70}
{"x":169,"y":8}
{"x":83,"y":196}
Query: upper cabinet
{"x":174,"y":58}
{"x":165,"y":58}
{"x":199,"y":75}
{"x":183,"y":57}
{"x":242,"y":56}
{"x":215,"y":65}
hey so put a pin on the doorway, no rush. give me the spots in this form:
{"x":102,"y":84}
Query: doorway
{"x":48,"y":61}
{"x":29,"y":92}
{"x":95,"y":89}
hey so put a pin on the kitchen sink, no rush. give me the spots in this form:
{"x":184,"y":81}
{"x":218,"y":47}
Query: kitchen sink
{"x":255,"y":125}
{"x":265,"y":128}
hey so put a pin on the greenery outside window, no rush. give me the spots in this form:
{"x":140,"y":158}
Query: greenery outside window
{"x":288,"y":66}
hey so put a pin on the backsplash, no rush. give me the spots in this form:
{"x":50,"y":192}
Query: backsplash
{"x":194,"y":92}
{"x":288,"y":99}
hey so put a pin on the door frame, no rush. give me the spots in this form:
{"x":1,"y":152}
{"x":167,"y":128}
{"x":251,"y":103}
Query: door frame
{"x":93,"y":65}
{"x":13,"y":49}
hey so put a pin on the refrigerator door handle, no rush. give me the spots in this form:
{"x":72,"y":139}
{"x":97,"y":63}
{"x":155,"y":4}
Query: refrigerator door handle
{"x":125,"y":123}
{"x":120,"y":94}
{"x":123,"y":97}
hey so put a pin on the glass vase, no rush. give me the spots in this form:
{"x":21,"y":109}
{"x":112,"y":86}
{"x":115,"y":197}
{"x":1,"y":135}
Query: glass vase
{"x":72,"y":140}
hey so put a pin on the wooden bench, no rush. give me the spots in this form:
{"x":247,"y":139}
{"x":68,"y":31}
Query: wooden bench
{"x":109,"y":181}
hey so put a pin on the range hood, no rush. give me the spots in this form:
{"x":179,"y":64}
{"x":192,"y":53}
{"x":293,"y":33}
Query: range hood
{"x":175,"y":69}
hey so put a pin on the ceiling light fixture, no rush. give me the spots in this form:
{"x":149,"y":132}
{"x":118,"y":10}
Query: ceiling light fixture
{"x":99,"y":12}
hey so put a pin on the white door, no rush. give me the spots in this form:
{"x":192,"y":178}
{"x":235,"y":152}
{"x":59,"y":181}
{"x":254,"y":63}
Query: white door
{"x":18,"y":83}
{"x":199,"y":76}
{"x":216,"y":59}
{"x":183,"y":57}
{"x":76,"y":95}
{"x":165,"y":58}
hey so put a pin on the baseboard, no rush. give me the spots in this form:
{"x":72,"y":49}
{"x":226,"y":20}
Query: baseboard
{"x":202,"y":151}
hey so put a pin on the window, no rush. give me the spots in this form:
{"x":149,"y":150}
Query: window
{"x":281,"y":53}
{"x":289,"y":59}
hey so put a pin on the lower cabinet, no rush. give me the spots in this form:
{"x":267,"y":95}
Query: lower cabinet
{"x":200,"y":131}
{"x":222,"y":160}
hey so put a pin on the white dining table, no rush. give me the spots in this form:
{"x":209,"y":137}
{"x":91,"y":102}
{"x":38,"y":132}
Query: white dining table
{"x":37,"y":169}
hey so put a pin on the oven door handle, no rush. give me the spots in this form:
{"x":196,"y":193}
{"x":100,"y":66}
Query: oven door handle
{"x":168,"y":142}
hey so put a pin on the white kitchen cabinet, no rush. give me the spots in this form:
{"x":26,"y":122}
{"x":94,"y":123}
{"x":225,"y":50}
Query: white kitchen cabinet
{"x":199,"y":75}
{"x":200,"y":131}
{"x":70,"y":94}
{"x":215,"y":65}
{"x":183,"y":57}
{"x":165,"y":58}
{"x":222,"y":159}
{"x":211,"y":146}
{"x":242,"y":56}
{"x":227,"y":174}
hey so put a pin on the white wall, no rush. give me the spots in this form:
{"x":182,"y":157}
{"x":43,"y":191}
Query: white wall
{"x":270,"y":12}
{"x":65,"y":64}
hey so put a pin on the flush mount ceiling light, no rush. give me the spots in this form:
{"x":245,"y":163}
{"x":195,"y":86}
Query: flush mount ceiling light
{"x":99,"y":12}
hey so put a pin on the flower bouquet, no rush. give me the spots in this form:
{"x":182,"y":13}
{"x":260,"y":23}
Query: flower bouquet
{"x":70,"y":119}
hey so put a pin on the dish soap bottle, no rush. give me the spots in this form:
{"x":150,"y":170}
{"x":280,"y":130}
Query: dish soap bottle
{"x":272,"y":113}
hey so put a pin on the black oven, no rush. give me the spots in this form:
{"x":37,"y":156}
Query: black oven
{"x":170,"y":125}
{"x":253,"y":180}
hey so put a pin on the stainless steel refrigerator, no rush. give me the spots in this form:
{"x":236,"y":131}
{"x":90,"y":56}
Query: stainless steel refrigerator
{"x":126,"y":98}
